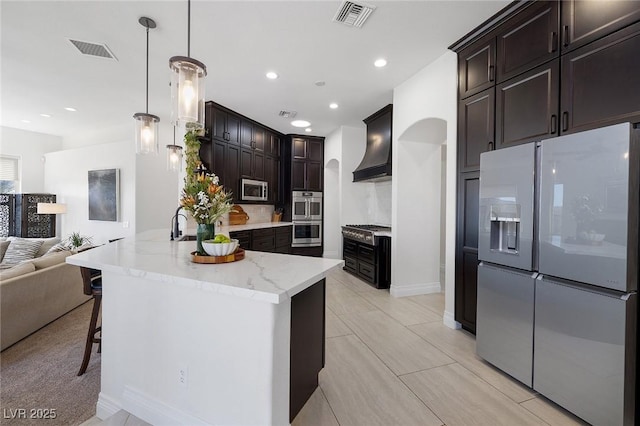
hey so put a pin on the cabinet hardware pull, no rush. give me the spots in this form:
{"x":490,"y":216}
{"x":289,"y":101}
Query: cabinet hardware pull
{"x":565,"y":121}
{"x":554,"y":42}
{"x":565,"y":35}
{"x":490,"y":146}
{"x":491,"y":72}
{"x":554,"y":123}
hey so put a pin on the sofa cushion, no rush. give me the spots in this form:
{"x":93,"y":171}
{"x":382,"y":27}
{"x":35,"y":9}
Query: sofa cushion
{"x":3,"y":248}
{"x":50,"y":259}
{"x":57,"y":247}
{"x":16,"y":271}
{"x":20,"y":249}
{"x":47,"y":243}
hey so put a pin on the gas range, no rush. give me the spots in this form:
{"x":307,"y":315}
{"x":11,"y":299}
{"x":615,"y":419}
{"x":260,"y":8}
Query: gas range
{"x":368,"y":234}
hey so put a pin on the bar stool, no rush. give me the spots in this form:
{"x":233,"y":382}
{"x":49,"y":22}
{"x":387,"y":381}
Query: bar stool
{"x":92,"y":286}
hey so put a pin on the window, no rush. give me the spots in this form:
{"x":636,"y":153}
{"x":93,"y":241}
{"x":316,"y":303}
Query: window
{"x":9,"y":174}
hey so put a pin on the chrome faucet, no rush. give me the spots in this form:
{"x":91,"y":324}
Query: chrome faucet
{"x":175,"y":233}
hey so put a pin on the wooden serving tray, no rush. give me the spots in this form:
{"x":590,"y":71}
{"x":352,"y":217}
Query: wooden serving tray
{"x":233,"y":257}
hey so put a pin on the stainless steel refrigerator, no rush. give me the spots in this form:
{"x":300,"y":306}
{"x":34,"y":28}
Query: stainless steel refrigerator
{"x":558,"y":274}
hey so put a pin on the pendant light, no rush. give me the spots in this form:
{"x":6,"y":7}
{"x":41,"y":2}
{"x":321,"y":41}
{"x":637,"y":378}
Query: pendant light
{"x":146,"y":124}
{"x":174,"y":155}
{"x":187,"y":86}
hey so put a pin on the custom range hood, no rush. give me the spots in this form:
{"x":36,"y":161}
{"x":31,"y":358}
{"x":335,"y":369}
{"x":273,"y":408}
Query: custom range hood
{"x":376,"y":164}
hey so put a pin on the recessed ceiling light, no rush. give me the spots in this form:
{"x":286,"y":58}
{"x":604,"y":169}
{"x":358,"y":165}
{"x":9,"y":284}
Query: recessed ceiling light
{"x":333,"y":105}
{"x":380,"y":63}
{"x":272,"y":75}
{"x":70,"y":109}
{"x":308,"y":129}
{"x":26,"y":121}
{"x":300,"y":123}
{"x":45,"y":115}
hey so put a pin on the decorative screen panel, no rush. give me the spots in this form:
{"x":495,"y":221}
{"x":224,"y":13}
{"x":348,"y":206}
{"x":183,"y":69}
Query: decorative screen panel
{"x":30,"y":224}
{"x":7,"y":215}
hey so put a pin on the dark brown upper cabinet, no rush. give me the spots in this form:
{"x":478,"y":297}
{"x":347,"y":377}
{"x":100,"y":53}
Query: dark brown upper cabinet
{"x":586,"y":21}
{"x":527,"y":106}
{"x":600,"y":84}
{"x":307,"y":163}
{"x":307,"y":149}
{"x":252,"y":135}
{"x":475,"y":129}
{"x":530,"y":40}
{"x":222,"y":125}
{"x":272,"y":144}
{"x":476,"y":67}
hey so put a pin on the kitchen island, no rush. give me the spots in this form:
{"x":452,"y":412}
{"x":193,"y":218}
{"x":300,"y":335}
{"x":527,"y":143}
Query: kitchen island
{"x":186,"y":343}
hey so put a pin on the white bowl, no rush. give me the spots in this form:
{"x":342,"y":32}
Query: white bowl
{"x":219,"y":249}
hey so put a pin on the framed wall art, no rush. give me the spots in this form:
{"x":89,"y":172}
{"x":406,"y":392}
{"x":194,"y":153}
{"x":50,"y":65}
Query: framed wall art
{"x":104,"y":194}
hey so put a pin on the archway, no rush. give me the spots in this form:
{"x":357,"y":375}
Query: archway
{"x":417,"y":207}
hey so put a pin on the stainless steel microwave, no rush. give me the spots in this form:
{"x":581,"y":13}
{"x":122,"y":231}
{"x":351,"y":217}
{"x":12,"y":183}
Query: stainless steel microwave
{"x":254,"y":190}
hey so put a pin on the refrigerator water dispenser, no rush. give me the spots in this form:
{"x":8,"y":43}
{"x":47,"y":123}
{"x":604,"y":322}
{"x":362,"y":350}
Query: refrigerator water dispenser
{"x":505,"y":228}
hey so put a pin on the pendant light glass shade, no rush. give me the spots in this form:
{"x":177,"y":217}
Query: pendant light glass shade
{"x":187,"y":92}
{"x":146,"y":129}
{"x":174,"y":158}
{"x":146,"y":133}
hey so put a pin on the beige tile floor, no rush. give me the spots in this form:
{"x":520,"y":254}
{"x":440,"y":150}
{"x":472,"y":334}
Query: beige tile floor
{"x":391,"y":361}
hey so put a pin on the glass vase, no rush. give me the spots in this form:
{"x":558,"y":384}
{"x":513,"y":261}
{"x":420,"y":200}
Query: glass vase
{"x":204,"y":231}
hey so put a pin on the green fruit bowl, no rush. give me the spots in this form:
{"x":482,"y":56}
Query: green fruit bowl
{"x":219,"y":249}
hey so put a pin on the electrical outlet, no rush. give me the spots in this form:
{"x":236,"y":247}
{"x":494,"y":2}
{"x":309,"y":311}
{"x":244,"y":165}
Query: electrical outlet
{"x":125,"y":224}
{"x":183,"y":375}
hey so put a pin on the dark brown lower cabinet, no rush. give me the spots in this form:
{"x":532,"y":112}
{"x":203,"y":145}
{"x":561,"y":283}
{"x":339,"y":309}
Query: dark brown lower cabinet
{"x":271,"y":240}
{"x":467,"y":250}
{"x":307,"y":344}
{"x":600,"y":83}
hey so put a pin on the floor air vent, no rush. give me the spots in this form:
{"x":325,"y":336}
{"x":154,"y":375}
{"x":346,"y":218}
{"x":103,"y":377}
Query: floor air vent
{"x":353,"y":14}
{"x":93,"y":49}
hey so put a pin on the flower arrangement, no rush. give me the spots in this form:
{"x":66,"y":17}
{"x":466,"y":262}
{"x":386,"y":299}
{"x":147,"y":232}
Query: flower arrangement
{"x":202,"y":195}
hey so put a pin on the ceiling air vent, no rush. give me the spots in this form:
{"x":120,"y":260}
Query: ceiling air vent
{"x":353,"y":14}
{"x":93,"y":49}
{"x":287,"y":114}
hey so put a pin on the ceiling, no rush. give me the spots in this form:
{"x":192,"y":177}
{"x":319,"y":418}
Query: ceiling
{"x":238,"y":41}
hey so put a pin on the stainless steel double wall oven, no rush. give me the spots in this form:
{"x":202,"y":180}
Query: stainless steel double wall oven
{"x":307,"y":219}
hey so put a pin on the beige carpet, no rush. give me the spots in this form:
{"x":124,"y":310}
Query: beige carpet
{"x":39,"y":372}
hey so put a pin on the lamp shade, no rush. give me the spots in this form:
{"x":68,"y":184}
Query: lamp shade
{"x":174,"y":158}
{"x":146,"y":133}
{"x":187,"y":92}
{"x":51,"y":208}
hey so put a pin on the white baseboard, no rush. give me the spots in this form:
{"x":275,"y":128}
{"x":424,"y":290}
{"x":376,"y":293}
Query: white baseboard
{"x":449,"y":320}
{"x":154,"y":411}
{"x":332,"y":254}
{"x":414,"y":289}
{"x":106,"y":406}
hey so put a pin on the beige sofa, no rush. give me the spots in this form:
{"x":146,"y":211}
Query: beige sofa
{"x":36,"y":292}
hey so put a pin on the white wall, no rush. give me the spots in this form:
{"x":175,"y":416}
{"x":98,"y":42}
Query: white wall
{"x":156,"y":191}
{"x":66,"y":175}
{"x":429,"y":95}
{"x":31,"y":148}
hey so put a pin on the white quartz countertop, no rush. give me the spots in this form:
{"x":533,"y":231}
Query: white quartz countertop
{"x":268,"y":277}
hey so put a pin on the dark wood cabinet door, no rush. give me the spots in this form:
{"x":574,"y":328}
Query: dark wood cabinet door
{"x":475,"y":129}
{"x":258,"y":138}
{"x":246,"y":134}
{"x":218,"y":165}
{"x":315,"y":150}
{"x":269,"y":175}
{"x":530,"y":40}
{"x":246,"y":163}
{"x":299,"y":148}
{"x":218,"y":124}
{"x":258,"y":165}
{"x":467,"y":249}
{"x":476,"y":67}
{"x":586,"y":21}
{"x":314,"y":176}
{"x":233,"y":129}
{"x":600,"y":84}
{"x":298,"y":174}
{"x":232,"y":170}
{"x":276,"y":141}
{"x":527,"y":106}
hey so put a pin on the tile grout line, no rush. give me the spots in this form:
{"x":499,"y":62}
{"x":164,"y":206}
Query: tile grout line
{"x":328,"y":403}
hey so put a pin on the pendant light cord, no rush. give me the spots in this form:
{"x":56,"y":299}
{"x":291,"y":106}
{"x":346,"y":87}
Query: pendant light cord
{"x":147,"y":97}
{"x":188,"y":28}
